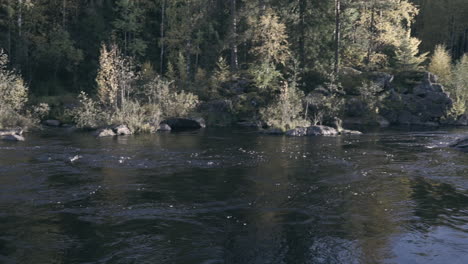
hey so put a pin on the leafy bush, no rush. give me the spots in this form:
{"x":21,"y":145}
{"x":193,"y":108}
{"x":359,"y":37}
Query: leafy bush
{"x":286,"y":112}
{"x":171,"y":103}
{"x":323,"y":107}
{"x":13,"y":99}
{"x":441,"y":65}
{"x":459,"y":87}
{"x":89,"y":114}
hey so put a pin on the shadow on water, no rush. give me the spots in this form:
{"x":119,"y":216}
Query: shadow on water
{"x":234,"y":196}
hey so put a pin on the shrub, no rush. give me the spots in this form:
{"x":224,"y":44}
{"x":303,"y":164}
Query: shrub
{"x":324,"y":107}
{"x":88,"y":114}
{"x":459,"y":87}
{"x":441,"y":65}
{"x":171,"y":103}
{"x":286,"y":112}
{"x":13,"y":98}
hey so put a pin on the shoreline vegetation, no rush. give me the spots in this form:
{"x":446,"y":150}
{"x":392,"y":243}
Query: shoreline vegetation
{"x":382,"y":81}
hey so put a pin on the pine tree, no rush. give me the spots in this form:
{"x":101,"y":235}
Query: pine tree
{"x":441,"y":64}
{"x":407,"y":54}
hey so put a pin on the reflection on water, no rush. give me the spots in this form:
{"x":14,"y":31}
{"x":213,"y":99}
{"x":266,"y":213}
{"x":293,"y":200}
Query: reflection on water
{"x":221,"y":196}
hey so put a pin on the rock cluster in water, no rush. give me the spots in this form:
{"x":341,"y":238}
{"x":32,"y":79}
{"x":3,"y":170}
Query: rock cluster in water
{"x":461,"y":144}
{"x":12,"y":135}
{"x":320,"y":131}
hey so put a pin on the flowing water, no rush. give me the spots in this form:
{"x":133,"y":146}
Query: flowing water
{"x":234,"y":196}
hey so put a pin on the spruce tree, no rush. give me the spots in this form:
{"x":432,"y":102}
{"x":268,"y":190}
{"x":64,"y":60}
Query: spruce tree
{"x":407,"y":54}
{"x":441,"y":64}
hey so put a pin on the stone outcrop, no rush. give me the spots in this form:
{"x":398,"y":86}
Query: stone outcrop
{"x":122,"y":130}
{"x":105,"y":132}
{"x":164,"y":127}
{"x":185,"y":123}
{"x":461,"y":144}
{"x":52,"y":123}
{"x":12,"y":134}
{"x":426,"y":104}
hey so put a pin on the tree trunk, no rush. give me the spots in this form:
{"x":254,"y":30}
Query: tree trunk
{"x":234,"y":52}
{"x":163,"y":7}
{"x":302,"y":10}
{"x":337,"y":35}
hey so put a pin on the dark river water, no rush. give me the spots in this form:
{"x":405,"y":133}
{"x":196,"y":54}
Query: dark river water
{"x":234,"y":196}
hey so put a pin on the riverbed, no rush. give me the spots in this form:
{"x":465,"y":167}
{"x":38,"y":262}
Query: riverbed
{"x":234,"y":196}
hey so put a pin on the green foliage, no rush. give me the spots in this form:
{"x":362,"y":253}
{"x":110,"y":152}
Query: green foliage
{"x":88,"y":114}
{"x":286,"y":111}
{"x":459,"y":87}
{"x":115,"y":78}
{"x":171,"y":103}
{"x":325,"y":107}
{"x":407,"y":55}
{"x":441,"y":65}
{"x":13,"y":98}
{"x":265,"y":76}
{"x":369,"y":95}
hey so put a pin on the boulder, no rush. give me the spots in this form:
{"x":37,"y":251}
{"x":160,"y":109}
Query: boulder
{"x":297,"y":132}
{"x":105,"y":132}
{"x":461,"y":144}
{"x":12,"y":137}
{"x":164,"y":127}
{"x":185,"y":123}
{"x":312,"y":131}
{"x":350,"y":132}
{"x":52,"y":123}
{"x":122,"y":130}
{"x":5,"y":132}
{"x":425,"y":104}
{"x":382,"y":121}
{"x":321,"y":131}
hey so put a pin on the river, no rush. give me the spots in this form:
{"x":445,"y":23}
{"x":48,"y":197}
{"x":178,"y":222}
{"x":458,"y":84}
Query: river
{"x":234,"y":196}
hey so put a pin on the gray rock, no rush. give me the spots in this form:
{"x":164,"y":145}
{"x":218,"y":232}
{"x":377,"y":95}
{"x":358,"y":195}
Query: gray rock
{"x":12,"y":137}
{"x":382,"y":121}
{"x":164,"y":127}
{"x":5,"y":132}
{"x":321,"y":131}
{"x":105,"y":132}
{"x":312,"y":131}
{"x":350,"y":132}
{"x":122,"y":130}
{"x":52,"y":123}
{"x":425,"y":105}
{"x":185,"y":123}
{"x":297,"y":132}
{"x":460,"y":144}
{"x":217,"y":106}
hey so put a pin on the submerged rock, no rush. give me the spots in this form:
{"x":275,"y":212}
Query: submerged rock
{"x":5,"y":132}
{"x":312,"y":131}
{"x":185,"y":123}
{"x":297,"y":132}
{"x":350,"y":132}
{"x":122,"y":130}
{"x":52,"y":123}
{"x":164,"y":127}
{"x":105,"y":132}
{"x":12,"y":137}
{"x":461,"y":144}
{"x":321,"y":131}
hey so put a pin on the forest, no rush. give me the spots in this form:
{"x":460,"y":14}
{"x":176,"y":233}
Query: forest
{"x":270,"y":63}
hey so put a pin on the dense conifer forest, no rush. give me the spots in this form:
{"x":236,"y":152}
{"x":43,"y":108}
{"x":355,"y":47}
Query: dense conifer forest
{"x":260,"y":55}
